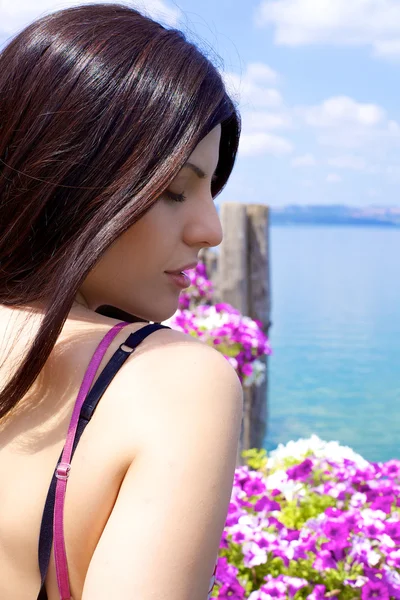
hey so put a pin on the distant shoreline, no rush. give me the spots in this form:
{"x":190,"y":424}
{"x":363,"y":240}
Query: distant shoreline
{"x":356,"y":223}
{"x":335,"y":215}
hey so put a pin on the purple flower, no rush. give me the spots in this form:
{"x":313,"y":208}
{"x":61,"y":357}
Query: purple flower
{"x":301,"y":471}
{"x":374,"y":589}
{"x":223,"y":307}
{"x":318,"y":593}
{"x":294,"y":584}
{"x":324,"y":560}
{"x":393,"y":559}
{"x":247,"y":369}
{"x":254,"y":486}
{"x":233,"y":516}
{"x":391,"y":469}
{"x":392,"y":529}
{"x":233,"y":591}
{"x":337,"y":532}
{"x":359,"y":535}
{"x":372,"y":530}
{"x":275,"y":589}
{"x":226,"y":573}
{"x":392,"y":580}
{"x":383,"y":503}
{"x":267,"y":505}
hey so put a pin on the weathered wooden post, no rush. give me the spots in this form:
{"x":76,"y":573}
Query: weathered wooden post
{"x":233,"y":279}
{"x":210,"y":260}
{"x":240,"y":274}
{"x":259,"y":309}
{"x":233,"y":257}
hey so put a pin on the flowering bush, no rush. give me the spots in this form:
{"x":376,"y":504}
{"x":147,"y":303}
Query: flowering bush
{"x":200,"y":291}
{"x":312,"y":521}
{"x":239,"y":338}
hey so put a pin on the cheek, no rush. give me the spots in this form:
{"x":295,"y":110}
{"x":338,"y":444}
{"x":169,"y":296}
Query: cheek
{"x":156,"y":232}
{"x":140,"y":243}
{"x":143,"y":246}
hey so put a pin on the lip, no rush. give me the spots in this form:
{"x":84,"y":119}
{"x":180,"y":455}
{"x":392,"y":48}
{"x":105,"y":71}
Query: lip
{"x":182,"y":280}
{"x":192,"y":265}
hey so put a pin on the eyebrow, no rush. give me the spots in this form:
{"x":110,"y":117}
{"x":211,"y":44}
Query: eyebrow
{"x":199,"y":172}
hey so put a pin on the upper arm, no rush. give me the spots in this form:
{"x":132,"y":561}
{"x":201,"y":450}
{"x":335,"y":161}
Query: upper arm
{"x":161,"y":540}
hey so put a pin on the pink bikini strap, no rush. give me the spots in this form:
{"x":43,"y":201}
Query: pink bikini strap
{"x":64,"y":466}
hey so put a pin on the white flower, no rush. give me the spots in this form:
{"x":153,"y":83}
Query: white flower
{"x":319,"y":448}
{"x":260,"y":554}
{"x":392,"y":576}
{"x":386,"y":540}
{"x":369,"y":520}
{"x":374,"y":515}
{"x":258,"y":374}
{"x":248,"y":520}
{"x":276,"y":480}
{"x":358,"y":499}
{"x":246,"y":530}
{"x":338,"y":489}
{"x":359,"y":582}
{"x":373,"y":558}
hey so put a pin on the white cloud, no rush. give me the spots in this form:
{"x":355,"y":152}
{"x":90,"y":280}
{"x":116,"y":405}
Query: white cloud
{"x":333,"y":178}
{"x":254,"y":144}
{"x":342,"y":122}
{"x":307,"y":160}
{"x":355,"y":163}
{"x":342,"y":110}
{"x":262,"y":110}
{"x":262,"y":73}
{"x":17,"y":14}
{"x":375,"y":23}
{"x":251,"y":90}
{"x":255,"y":120}
{"x":387,"y":48}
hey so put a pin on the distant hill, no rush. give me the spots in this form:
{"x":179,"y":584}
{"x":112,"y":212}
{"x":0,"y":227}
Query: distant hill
{"x":371,"y":216}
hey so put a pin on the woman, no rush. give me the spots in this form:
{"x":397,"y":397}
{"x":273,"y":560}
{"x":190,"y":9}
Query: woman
{"x":116,"y":135}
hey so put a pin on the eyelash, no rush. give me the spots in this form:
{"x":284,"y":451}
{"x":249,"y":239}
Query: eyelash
{"x":182,"y":197}
{"x":175,"y":197}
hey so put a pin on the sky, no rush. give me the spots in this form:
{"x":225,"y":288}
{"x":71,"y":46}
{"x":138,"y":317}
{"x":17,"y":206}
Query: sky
{"x":316,"y":83}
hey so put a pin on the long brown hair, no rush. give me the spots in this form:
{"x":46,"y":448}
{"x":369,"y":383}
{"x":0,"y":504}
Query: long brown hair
{"x":100,"y":107}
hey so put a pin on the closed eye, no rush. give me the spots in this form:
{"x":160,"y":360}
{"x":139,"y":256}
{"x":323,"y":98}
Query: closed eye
{"x":175,"y":197}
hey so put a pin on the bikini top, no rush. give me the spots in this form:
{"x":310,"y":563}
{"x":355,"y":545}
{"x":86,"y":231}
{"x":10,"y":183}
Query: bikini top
{"x":51,"y":529}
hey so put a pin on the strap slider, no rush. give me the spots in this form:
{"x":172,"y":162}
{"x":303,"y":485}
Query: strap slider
{"x":62,"y":471}
{"x":126,"y":348}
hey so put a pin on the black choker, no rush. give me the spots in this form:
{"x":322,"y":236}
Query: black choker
{"x":116,"y":313}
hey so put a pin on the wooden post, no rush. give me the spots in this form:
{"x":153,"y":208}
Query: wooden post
{"x":233,"y":284}
{"x":232,"y":261}
{"x":210,"y":259}
{"x":240,"y":274}
{"x":259,"y":302}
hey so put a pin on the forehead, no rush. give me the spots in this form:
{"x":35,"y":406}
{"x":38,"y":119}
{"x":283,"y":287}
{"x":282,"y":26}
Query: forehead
{"x":206,"y":153}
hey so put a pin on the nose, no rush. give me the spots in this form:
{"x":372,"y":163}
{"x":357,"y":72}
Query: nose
{"x":204,"y":227}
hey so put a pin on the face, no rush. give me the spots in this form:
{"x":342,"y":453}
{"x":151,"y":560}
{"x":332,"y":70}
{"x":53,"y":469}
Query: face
{"x":132,"y":274}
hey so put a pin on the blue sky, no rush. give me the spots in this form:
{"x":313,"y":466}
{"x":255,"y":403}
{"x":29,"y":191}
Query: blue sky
{"x":317,"y":86}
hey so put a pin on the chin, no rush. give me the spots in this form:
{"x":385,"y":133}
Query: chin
{"x":162,"y":314}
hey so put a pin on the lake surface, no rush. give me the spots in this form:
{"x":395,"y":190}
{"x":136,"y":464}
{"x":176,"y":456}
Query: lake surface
{"x":335,"y":370}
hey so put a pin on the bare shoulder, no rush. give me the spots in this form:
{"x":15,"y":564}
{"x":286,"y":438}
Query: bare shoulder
{"x":183,"y":401}
{"x":175,"y":375}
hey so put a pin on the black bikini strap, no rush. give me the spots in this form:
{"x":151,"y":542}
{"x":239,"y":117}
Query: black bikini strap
{"x":86,"y":413}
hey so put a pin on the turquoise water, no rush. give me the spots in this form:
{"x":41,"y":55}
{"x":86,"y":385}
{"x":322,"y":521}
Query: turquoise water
{"x":335,"y":370}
